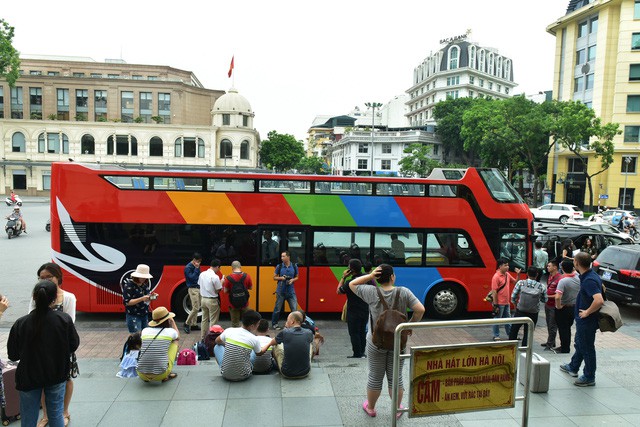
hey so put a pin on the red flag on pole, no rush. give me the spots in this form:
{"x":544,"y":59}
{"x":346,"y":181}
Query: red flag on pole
{"x":231,"y":66}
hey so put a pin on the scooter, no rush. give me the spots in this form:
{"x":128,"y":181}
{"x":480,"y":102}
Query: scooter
{"x":10,"y":202}
{"x":13,"y":227}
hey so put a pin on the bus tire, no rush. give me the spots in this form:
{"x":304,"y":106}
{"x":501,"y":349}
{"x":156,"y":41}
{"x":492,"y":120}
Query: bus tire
{"x":181,"y":303}
{"x":445,"y":301}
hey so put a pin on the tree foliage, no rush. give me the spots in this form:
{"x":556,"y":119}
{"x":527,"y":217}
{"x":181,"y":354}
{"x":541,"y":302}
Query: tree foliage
{"x":418,"y":161}
{"x":574,"y":126}
{"x":448,"y":114}
{"x":9,"y":56}
{"x":312,"y":164}
{"x":281,"y":151}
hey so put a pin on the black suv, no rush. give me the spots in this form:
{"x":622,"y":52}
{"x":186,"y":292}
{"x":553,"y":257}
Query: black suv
{"x":619,"y":269}
{"x":552,"y":238}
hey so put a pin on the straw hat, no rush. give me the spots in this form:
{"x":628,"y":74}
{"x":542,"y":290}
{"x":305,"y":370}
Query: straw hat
{"x":142,"y":271}
{"x":159,"y":315}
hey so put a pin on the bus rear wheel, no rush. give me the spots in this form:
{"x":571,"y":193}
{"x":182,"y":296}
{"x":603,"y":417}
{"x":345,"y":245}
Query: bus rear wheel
{"x":445,"y":301}
{"x":181,"y":303}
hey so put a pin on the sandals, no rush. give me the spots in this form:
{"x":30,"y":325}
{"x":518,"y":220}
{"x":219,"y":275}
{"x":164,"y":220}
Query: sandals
{"x":171,"y":376}
{"x":370,"y":412}
{"x":399,"y":414}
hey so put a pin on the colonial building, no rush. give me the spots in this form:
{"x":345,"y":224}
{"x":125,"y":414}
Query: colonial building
{"x":148,"y":116}
{"x":597,"y":62}
{"x":460,"y":69}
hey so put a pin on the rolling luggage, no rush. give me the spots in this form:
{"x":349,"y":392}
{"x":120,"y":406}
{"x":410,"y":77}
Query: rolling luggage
{"x":540,"y":372}
{"x":9,"y":396}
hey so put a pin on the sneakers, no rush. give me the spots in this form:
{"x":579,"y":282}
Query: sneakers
{"x":584,"y":382}
{"x":567,"y":369}
{"x":559,"y":350}
{"x":187,"y":329}
{"x":370,"y":412}
{"x":278,"y":327}
{"x":496,"y":338}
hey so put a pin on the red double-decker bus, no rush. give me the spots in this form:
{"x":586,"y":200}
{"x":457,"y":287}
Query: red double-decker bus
{"x":442,"y":234}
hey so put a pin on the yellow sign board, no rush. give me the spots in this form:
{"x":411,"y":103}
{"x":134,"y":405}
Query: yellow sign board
{"x":458,"y":378}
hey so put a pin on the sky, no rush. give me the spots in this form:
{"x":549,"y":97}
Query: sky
{"x":294,"y":59}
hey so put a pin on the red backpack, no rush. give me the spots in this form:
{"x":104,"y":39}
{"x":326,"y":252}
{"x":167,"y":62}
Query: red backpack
{"x":187,"y":357}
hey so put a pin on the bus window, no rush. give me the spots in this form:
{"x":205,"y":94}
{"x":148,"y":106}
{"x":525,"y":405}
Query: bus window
{"x":272,"y":186}
{"x":129,"y":182}
{"x":513,"y":247}
{"x":182,"y":184}
{"x":344,"y":188}
{"x":398,"y":248}
{"x":341,"y":246}
{"x":231,"y":185}
{"x":499,"y":187}
{"x":453,"y":248}
{"x":270,"y":253}
{"x":296,"y":245}
{"x":443,"y":190}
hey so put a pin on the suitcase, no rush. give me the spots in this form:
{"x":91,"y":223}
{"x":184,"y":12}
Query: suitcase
{"x":540,"y":372}
{"x":10,"y":396}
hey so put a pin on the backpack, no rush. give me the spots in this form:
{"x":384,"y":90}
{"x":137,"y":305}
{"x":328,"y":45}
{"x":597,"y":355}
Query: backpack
{"x":210,"y":338}
{"x":187,"y":357}
{"x":385,"y":327}
{"x":529,"y":299}
{"x":201,"y":351}
{"x":238,"y":294}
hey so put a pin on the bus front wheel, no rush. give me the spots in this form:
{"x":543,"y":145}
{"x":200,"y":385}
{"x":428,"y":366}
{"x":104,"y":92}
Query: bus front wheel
{"x":445,"y":301}
{"x":181,"y":303}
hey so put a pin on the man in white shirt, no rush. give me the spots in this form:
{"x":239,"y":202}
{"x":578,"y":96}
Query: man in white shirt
{"x":210,"y":284}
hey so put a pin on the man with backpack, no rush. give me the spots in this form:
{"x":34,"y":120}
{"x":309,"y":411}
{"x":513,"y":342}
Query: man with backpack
{"x":528,"y":294}
{"x":237,"y":286}
{"x":286,"y":274}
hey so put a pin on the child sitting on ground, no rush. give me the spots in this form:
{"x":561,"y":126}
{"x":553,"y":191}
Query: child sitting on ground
{"x":129,"y":358}
{"x":263,"y":364}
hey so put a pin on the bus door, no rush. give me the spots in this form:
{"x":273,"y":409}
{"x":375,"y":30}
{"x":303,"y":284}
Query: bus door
{"x":273,"y":241}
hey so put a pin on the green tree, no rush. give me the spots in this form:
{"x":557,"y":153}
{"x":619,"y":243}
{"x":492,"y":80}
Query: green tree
{"x":418,"y":161}
{"x":448,"y":114}
{"x":575,"y":127}
{"x":9,"y":56}
{"x":281,"y":151}
{"x":312,"y":164}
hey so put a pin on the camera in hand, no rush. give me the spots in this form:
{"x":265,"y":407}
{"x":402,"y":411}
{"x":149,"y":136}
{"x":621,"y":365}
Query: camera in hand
{"x":153,"y":296}
{"x":287,"y":277}
{"x":489,"y":297}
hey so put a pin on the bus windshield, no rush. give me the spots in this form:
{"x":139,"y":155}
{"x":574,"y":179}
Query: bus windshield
{"x":499,"y":187}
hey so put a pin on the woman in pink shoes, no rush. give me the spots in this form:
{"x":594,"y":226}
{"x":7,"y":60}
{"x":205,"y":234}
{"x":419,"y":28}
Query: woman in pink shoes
{"x":380,"y":361}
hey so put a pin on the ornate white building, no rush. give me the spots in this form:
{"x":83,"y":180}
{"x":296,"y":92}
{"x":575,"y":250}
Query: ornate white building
{"x":147,"y":116}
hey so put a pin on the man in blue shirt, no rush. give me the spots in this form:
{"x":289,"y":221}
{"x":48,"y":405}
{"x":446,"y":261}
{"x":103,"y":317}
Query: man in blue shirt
{"x":191,"y":276}
{"x":286,"y":274}
{"x":588,"y":304}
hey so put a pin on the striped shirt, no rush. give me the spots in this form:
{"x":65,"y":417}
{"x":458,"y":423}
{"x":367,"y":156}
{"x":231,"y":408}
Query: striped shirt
{"x":236,"y":362}
{"x":154,"y":353}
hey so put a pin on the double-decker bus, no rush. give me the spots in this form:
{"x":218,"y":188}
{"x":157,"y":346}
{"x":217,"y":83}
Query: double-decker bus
{"x":442,"y":234}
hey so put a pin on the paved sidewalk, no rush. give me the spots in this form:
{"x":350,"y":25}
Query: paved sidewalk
{"x":333,"y":394}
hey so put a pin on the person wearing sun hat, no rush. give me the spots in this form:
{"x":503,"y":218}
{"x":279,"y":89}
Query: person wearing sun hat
{"x":137,"y":296}
{"x":159,"y":347}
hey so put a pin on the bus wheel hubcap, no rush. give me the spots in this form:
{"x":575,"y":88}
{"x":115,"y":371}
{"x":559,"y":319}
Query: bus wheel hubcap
{"x":445,"y":301}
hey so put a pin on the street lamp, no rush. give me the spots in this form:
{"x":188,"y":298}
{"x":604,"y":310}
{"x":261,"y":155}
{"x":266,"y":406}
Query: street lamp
{"x":627,"y":160}
{"x":373,"y":106}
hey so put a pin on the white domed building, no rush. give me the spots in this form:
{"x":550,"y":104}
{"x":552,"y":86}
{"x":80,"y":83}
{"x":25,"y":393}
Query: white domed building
{"x":236,"y":138}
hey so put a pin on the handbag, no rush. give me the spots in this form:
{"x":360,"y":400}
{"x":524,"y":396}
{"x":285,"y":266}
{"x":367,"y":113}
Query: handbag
{"x":344,"y":312}
{"x":74,"y":370}
{"x":609,"y":319}
{"x":489,"y":297}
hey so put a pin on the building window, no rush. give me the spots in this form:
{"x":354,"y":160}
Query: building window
{"x":633,"y":103}
{"x":506,"y":90}
{"x":18,"y":144}
{"x":244,"y":149}
{"x":50,"y":143}
{"x":632,"y":134}
{"x":634,"y":72}
{"x":454,"y":53}
{"x":470,"y":94}
{"x":63,"y":104}
{"x":200,"y":148}
{"x":189,"y":147}
{"x":46,"y":180}
{"x":628,"y":164}
{"x":626,"y":197}
{"x":146,"y":106}
{"x":78,"y":75}
{"x":226,"y":149}
{"x":452,"y":94}
{"x":588,"y":83}
{"x":435,"y":149}
{"x":16,"y":103}
{"x":245,"y":121}
{"x":96,"y":75}
{"x":578,"y":84}
{"x":593,"y":25}
{"x":581,"y":56}
{"x":363,"y":148}
{"x":35,"y":103}
{"x":452,"y":81}
{"x":226,"y":119}
{"x":155,"y":147}
{"x":385,"y":165}
{"x":363,"y":164}
{"x":87,"y":144}
{"x":35,"y":73}
{"x":126,"y":103}
{"x":481,"y":82}
{"x":82,"y":102}
{"x":124,"y":145}
{"x":471,"y":80}
{"x":113,"y":76}
{"x":591,"y":53}
{"x":164,"y":107}
{"x":100,"y":105}
{"x":583,"y":27}
{"x":635,"y":41}
{"x":152,"y":77}
{"x":386,"y":148}
{"x":490,"y":85}
{"x":1,"y":102}
{"x":636,"y":10}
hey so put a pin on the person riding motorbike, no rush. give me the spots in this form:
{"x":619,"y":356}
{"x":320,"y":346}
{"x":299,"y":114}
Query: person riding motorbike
{"x":18,"y":215}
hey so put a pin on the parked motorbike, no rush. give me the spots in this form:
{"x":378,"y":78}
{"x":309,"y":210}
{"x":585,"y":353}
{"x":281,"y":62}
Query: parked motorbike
{"x":13,"y":227}
{"x":10,"y":202}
